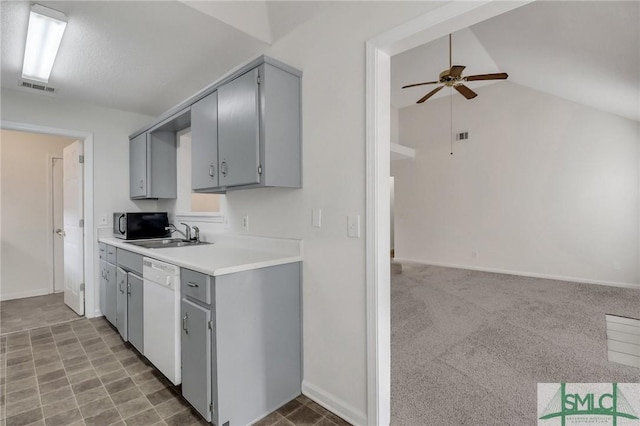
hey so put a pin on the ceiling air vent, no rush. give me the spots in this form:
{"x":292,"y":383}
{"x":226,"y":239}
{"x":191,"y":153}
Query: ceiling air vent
{"x":36,"y":86}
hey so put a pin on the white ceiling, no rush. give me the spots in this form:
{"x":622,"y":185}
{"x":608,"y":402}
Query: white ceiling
{"x":147,"y":56}
{"x":587,"y":52}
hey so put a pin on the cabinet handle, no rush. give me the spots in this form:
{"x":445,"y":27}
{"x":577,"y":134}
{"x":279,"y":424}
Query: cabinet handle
{"x":129,"y":289}
{"x":212,"y":170}
{"x":192,"y":284}
{"x":184,"y":323}
{"x":223,"y":168}
{"x":141,"y":184}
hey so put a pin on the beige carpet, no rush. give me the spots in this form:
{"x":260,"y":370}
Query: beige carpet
{"x":468,"y":348}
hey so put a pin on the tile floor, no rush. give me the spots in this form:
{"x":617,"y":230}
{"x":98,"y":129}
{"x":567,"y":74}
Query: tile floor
{"x":34,"y":312}
{"x":81,"y":373}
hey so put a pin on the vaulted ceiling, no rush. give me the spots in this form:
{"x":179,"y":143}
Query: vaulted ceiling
{"x":146,"y":56}
{"x":587,"y":52}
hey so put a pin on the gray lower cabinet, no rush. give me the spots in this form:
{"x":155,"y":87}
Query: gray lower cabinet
{"x":121,"y":303}
{"x":134,"y":311}
{"x":241,"y":342}
{"x":108,"y":292}
{"x":196,"y":357}
{"x":129,"y":299}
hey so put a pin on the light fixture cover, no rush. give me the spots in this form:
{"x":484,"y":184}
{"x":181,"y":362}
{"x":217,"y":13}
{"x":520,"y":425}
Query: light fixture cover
{"x":46,"y":27}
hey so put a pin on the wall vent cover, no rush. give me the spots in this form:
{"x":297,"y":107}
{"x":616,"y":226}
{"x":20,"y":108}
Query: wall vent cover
{"x":36,"y":86}
{"x":623,"y":340}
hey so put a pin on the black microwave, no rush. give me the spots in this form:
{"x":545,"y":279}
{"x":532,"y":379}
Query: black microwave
{"x":140,"y":225}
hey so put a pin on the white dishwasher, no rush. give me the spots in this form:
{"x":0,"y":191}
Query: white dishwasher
{"x":161,"y":313}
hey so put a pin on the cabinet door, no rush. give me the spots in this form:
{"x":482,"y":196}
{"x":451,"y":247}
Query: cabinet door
{"x":138,"y":166}
{"x":103,"y":286}
{"x":121,"y":302}
{"x":134,"y":311}
{"x":204,"y":143}
{"x":196,"y":357}
{"x":111,"y":294}
{"x":238,"y":131}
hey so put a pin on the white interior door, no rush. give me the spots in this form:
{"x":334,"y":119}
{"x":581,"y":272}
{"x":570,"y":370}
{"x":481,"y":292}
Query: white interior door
{"x":73,"y":227}
{"x":58,"y":224}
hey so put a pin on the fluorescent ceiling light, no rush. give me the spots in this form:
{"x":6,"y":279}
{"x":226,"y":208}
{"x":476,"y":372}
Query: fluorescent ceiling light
{"x":44,"y":35}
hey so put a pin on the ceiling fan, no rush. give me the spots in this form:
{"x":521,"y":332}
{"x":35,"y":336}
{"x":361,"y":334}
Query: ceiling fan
{"x":452,"y":77}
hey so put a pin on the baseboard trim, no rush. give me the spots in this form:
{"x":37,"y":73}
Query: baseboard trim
{"x":24,"y":294}
{"x":334,"y":404}
{"x":522,"y":274}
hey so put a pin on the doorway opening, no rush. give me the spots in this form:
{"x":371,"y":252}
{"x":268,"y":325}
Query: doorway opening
{"x":441,"y":21}
{"x":39,"y":285}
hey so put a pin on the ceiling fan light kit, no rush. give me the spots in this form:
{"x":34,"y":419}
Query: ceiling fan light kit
{"x":452,"y":77}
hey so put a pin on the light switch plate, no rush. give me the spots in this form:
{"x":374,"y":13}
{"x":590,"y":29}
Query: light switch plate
{"x":353,"y":225}
{"x":316,"y":220}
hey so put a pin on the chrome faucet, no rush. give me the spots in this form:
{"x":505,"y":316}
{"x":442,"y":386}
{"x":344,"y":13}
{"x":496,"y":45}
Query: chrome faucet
{"x":186,"y":234}
{"x":196,"y":237}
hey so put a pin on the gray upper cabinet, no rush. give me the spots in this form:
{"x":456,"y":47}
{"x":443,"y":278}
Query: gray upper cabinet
{"x":152,"y":165}
{"x":247,"y":133}
{"x":238,"y":130}
{"x":204,"y":143}
{"x":138,"y":166}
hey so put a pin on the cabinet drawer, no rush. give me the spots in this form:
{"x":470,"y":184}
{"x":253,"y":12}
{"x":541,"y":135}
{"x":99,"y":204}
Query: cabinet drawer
{"x":196,"y":285}
{"x":111,"y":255}
{"x":130,"y":261}
{"x":103,"y":250}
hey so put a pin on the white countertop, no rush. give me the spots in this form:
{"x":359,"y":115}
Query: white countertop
{"x":226,"y":255}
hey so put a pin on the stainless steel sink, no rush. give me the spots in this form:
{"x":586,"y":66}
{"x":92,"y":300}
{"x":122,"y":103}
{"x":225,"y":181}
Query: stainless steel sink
{"x":166,"y":243}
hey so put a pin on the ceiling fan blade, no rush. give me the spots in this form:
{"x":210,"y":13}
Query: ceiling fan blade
{"x":456,"y":70}
{"x":497,"y":76}
{"x":465,"y":91}
{"x":428,"y":95}
{"x":420,"y":84}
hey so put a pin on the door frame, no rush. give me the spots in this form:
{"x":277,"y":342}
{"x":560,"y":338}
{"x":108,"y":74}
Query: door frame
{"x":448,"y":18}
{"x":50,"y":157}
{"x":86,"y":138}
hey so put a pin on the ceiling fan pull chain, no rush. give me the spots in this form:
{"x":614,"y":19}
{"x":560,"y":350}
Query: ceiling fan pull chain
{"x":451,"y":115}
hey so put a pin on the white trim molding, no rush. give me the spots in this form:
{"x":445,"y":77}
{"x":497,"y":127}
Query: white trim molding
{"x":90,"y":246}
{"x":450,"y":17}
{"x":331,"y":403}
{"x":554,"y":277}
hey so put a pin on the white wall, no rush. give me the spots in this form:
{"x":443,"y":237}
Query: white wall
{"x":544,"y":186}
{"x":110,"y":128}
{"x":25,"y":186}
{"x":330,"y":51}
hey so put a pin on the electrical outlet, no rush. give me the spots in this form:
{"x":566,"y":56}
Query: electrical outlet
{"x":226,"y":223}
{"x":245,"y":223}
{"x":104,"y":219}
